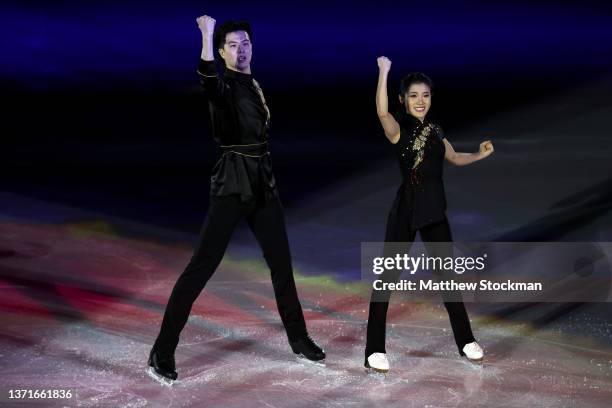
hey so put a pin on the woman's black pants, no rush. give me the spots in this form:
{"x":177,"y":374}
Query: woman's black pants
{"x":377,"y":319}
{"x":266,"y":220}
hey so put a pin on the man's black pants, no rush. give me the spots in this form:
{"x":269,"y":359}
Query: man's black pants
{"x":377,"y":319}
{"x":266,"y":220}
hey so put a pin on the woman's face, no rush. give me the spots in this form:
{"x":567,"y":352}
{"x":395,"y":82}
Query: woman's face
{"x":417,"y":100}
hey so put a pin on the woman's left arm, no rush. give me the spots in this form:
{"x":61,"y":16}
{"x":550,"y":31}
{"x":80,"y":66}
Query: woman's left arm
{"x":463,"y":159}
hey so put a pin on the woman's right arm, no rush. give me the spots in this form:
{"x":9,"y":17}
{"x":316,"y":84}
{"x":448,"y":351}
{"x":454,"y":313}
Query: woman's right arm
{"x":388,"y":122}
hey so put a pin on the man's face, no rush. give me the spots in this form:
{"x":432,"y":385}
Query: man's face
{"x":237,"y":51}
{"x":417,"y":100}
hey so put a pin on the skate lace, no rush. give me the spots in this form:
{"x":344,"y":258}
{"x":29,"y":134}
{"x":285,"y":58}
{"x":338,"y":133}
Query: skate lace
{"x":473,"y":348}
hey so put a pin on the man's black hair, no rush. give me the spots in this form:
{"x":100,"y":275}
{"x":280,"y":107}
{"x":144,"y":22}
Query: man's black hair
{"x":414,"y":78}
{"x":228,"y":27}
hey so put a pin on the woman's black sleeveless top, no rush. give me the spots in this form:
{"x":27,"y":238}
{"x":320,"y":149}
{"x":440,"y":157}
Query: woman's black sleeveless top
{"x":420,"y":152}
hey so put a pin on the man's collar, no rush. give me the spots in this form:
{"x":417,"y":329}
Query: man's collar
{"x":237,"y":75}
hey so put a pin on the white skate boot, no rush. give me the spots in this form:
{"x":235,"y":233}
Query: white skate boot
{"x":378,"y":362}
{"x":473,"y":352}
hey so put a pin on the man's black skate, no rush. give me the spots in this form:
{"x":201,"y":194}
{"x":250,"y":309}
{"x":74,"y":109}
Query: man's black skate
{"x":163,"y":365}
{"x":306,"y":347}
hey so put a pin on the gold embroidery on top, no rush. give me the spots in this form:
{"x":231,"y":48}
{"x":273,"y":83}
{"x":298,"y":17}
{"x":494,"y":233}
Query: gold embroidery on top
{"x":419,"y":144}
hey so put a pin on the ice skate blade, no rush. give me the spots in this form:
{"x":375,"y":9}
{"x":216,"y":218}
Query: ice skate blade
{"x":302,"y":359}
{"x":477,"y":363}
{"x":160,"y":379}
{"x":372,"y":370}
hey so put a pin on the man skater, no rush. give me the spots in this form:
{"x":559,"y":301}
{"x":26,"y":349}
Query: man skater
{"x":242,"y":186}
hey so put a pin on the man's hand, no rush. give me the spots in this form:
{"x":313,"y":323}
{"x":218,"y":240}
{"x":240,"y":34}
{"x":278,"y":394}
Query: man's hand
{"x":206,"y":25}
{"x":384,"y":64}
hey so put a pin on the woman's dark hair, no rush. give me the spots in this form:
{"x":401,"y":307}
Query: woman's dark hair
{"x":229,"y":27}
{"x":414,"y":78}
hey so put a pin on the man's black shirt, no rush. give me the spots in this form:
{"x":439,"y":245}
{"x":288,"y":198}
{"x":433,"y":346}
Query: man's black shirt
{"x":240,"y":121}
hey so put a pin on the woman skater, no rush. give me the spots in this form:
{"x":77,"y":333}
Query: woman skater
{"x":420,"y":203}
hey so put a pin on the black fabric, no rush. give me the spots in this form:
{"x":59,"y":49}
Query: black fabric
{"x":421,"y":195}
{"x":266,"y":220}
{"x":245,"y":170}
{"x":239,"y":119}
{"x":377,"y":318}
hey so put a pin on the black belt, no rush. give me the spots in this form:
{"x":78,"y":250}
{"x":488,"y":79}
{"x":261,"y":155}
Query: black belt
{"x":251,"y":150}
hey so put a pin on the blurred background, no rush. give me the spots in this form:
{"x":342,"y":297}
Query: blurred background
{"x":103,"y":109}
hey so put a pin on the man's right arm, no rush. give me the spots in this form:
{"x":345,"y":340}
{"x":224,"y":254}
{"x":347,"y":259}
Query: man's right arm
{"x":214,"y":87}
{"x":207,"y":27}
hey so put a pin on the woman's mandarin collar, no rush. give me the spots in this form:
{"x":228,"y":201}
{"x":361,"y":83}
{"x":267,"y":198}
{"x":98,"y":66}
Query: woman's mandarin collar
{"x":408,"y":120}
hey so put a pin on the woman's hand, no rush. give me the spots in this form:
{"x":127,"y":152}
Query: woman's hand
{"x":384,"y":64}
{"x":486,"y":148}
